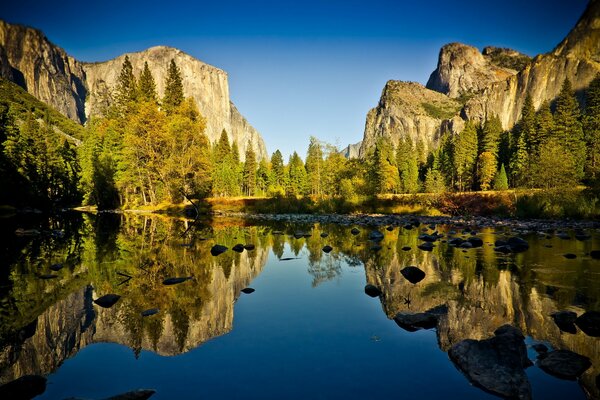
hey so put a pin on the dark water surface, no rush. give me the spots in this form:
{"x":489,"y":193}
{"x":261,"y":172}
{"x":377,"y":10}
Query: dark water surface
{"x":308,"y":331}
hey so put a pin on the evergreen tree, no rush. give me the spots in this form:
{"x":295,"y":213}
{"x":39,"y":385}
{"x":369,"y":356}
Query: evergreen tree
{"x":527,"y":127}
{"x":408,"y":169}
{"x":465,"y":156}
{"x":147,"y":86}
{"x":277,"y":168}
{"x":554,"y":167}
{"x":173,"y":88}
{"x":544,"y":123}
{"x":490,"y":136}
{"x":567,"y":128}
{"x":383,"y":173}
{"x":434,"y":181}
{"x":314,"y":167}
{"x":250,"y":167}
{"x":501,"y":180}
{"x":520,"y":161}
{"x":297,"y":175}
{"x":591,"y":125}
{"x":222,"y":147}
{"x":126,"y":92}
{"x":264,"y":179}
{"x":486,"y":169}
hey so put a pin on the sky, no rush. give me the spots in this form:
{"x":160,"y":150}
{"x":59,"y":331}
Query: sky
{"x":301,"y":68}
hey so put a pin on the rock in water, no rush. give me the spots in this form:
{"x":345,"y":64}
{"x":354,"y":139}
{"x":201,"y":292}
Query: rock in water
{"x":372,"y":290}
{"x":108,"y":300}
{"x":142,"y":394}
{"x":413,"y":274}
{"x":355,"y":231}
{"x":48,"y":276}
{"x":25,"y":388}
{"x":413,"y":322}
{"x":570,"y":256}
{"x":427,"y":246}
{"x":565,"y":320}
{"x":176,"y":280}
{"x":496,"y":364}
{"x":249,"y":246}
{"x":324,"y":234}
{"x":149,"y":312}
{"x":406,"y":248}
{"x":595,"y":254}
{"x":375,"y":236}
{"x":589,"y":323}
{"x":327,"y":249}
{"x":238,"y":248}
{"x":564,"y":364}
{"x":247,"y":290}
{"x":218,"y":249}
{"x":56,"y":267}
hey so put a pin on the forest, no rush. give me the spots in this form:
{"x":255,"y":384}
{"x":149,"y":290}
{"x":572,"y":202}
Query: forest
{"x":145,"y":150}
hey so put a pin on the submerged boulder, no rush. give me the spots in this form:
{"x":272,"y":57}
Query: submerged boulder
{"x":218,"y":249}
{"x":327,"y":249}
{"x":427,"y":246}
{"x":176,"y":280}
{"x":565,"y":320}
{"x":248,"y":290}
{"x":375,"y":236}
{"x":108,"y":300}
{"x":355,"y":231}
{"x":497,"y":364}
{"x":149,"y":312}
{"x":589,"y":323}
{"x":564,"y":364}
{"x":238,"y":248}
{"x":413,"y":274}
{"x":372,"y":290}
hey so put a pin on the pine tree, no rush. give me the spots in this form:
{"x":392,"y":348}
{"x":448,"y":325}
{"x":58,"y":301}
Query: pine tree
{"x":567,"y":128}
{"x":408,"y":169}
{"x":222,"y":147}
{"x":314,"y":166}
{"x":490,"y":136}
{"x":591,"y":126}
{"x":465,"y":156}
{"x":486,"y":169}
{"x":277,"y":168}
{"x":250,"y":167}
{"x":520,"y":161}
{"x":544,"y":123}
{"x":501,"y":180}
{"x":527,"y":127}
{"x":434,"y":181}
{"x":297,"y":175}
{"x":126,"y":92}
{"x":173,"y":88}
{"x":146,"y":85}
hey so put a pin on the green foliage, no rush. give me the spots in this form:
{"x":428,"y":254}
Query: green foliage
{"x":250,"y":167}
{"x":408,"y":169}
{"x":226,"y":173}
{"x":22,"y":104}
{"x":173,"y":88}
{"x":314,"y":167}
{"x":147,"y":86}
{"x":439,"y":111}
{"x":465,"y":156}
{"x":297,"y":175}
{"x":434,"y":181}
{"x":383,"y":173}
{"x":567,"y":127}
{"x":486,"y":169}
{"x":500,"y":58}
{"x":591,"y":127}
{"x":501,"y":180}
{"x":554,"y":167}
{"x":490,"y":136}
{"x":126,"y":91}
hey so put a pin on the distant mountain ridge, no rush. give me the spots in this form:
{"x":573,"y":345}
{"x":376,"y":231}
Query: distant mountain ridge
{"x":80,"y":90}
{"x":493,"y":82}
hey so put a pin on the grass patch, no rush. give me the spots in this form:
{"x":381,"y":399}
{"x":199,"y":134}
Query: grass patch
{"x":439,"y":111}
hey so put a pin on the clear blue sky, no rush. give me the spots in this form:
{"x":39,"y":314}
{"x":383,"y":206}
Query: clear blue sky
{"x":301,"y":68}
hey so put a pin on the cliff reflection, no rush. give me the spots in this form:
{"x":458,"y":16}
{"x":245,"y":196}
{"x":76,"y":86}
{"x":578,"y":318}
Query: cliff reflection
{"x":45,"y":321}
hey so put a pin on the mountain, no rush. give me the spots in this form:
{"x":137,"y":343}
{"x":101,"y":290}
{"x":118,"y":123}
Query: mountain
{"x":408,"y":109}
{"x":463,"y":70}
{"x":469,"y":84}
{"x":576,"y":58}
{"x":351,"y":151}
{"x":80,"y":90}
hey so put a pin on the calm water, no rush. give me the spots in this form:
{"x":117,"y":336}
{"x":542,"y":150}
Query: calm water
{"x":308,"y":331}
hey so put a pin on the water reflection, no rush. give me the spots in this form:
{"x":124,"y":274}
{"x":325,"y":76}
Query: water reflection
{"x":46,"y":321}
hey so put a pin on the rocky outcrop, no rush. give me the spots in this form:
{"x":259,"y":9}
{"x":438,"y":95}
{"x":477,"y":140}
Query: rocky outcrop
{"x":80,"y":90}
{"x":408,"y":110}
{"x":43,"y":69}
{"x":351,"y":151}
{"x":576,"y":58}
{"x":463,"y":70}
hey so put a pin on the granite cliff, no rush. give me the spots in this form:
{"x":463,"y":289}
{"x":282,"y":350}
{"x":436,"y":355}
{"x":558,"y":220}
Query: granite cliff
{"x":470,"y":84}
{"x":79,"y":90}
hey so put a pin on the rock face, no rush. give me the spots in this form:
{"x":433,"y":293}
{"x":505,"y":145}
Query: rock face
{"x":80,"y":90}
{"x":462,"y":69}
{"x":577,"y":58}
{"x":352,"y":150}
{"x":408,"y":110}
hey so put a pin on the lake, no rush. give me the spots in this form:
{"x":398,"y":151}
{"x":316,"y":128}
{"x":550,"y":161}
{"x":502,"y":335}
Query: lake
{"x":308,"y":330}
